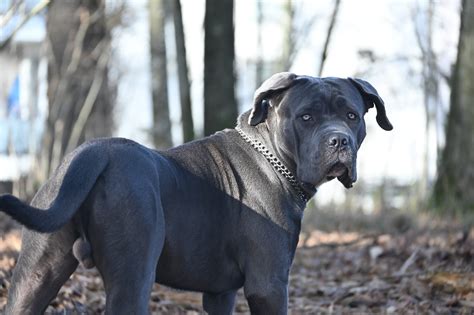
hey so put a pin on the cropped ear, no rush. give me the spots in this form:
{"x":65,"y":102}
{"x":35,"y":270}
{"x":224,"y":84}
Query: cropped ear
{"x":276,"y":83}
{"x":371,"y":97}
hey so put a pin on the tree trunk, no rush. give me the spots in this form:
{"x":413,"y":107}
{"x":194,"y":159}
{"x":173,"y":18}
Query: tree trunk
{"x":454,"y":189}
{"x":286,"y":59}
{"x":161,"y":130}
{"x":220,"y":106}
{"x":259,"y":76}
{"x":80,"y":104}
{"x":184,"y":86}
{"x":430,"y":72}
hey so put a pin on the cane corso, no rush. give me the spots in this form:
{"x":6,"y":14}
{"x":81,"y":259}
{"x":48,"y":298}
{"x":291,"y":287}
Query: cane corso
{"x":211,"y":216}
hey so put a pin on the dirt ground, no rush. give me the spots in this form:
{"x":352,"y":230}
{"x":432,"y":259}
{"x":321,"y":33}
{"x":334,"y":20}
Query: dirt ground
{"x":420,"y":271}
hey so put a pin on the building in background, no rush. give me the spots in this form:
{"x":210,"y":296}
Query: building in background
{"x":23,"y":100}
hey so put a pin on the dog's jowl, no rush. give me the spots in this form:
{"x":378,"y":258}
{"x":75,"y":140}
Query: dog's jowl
{"x":212,"y":215}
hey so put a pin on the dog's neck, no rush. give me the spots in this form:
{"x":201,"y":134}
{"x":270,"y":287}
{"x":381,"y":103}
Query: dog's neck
{"x":262,"y":133}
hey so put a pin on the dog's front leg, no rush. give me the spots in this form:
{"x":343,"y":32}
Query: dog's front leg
{"x":267,"y":297}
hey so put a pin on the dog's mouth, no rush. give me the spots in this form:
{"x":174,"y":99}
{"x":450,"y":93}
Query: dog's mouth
{"x":336,"y":170}
{"x":343,"y":173}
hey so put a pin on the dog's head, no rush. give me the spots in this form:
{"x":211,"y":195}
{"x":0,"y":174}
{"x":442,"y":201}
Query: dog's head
{"x":318,"y":123}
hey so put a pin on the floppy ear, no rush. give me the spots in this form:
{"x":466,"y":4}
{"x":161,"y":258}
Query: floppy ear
{"x":276,"y":83}
{"x":371,"y":97}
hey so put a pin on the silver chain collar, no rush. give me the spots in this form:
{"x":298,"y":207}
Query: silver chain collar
{"x":275,"y":162}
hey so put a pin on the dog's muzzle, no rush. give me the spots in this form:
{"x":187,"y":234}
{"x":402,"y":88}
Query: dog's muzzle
{"x":343,"y":156}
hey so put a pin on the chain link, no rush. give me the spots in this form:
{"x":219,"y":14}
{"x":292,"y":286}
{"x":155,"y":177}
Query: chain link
{"x":275,"y":162}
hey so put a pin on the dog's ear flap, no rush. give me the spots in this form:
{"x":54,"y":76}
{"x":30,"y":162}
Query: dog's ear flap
{"x":276,"y":83}
{"x":371,"y":97}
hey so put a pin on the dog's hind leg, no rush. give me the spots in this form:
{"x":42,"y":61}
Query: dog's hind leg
{"x":217,"y":304}
{"x":45,"y":263}
{"x":129,"y":243}
{"x":128,"y":269}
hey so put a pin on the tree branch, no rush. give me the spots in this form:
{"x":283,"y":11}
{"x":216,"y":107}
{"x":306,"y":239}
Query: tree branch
{"x":332,"y":22}
{"x":91,"y":97}
{"x":57,"y":108}
{"x":37,"y":9}
{"x":10,"y":13}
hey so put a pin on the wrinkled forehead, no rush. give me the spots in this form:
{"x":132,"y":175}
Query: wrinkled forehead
{"x":325,"y":93}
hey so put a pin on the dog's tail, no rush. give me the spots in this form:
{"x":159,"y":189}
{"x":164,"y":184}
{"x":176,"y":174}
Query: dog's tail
{"x":85,"y":167}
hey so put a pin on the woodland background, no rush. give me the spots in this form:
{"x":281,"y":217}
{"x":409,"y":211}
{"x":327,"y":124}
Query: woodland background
{"x":164,"y":72}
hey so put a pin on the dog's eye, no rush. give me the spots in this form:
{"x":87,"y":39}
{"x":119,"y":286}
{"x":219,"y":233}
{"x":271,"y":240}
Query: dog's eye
{"x":306,"y":117}
{"x":351,"y":116}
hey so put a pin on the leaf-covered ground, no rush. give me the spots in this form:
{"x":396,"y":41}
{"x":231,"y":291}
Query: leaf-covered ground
{"x":420,"y":271}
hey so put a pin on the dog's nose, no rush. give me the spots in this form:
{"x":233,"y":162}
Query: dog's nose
{"x":338,"y":140}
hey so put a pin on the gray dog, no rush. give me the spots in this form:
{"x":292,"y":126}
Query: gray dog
{"x":210,"y":216}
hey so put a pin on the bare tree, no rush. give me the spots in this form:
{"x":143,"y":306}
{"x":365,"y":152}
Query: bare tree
{"x":454,"y":189}
{"x":430,"y":79}
{"x":296,"y":27}
{"x":332,"y":23}
{"x":286,"y":58}
{"x":161,"y":130}
{"x":259,"y":75}
{"x":80,"y":98}
{"x":184,"y":86}
{"x":220,"y":106}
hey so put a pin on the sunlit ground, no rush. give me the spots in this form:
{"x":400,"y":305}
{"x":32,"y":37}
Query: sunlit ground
{"x":409,"y":270}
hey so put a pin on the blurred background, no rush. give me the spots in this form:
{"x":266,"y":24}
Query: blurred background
{"x":166,"y":72}
{"x":163,"y":72}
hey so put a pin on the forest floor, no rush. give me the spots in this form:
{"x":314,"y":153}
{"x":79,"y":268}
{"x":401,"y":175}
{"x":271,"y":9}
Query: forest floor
{"x":422,"y":270}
